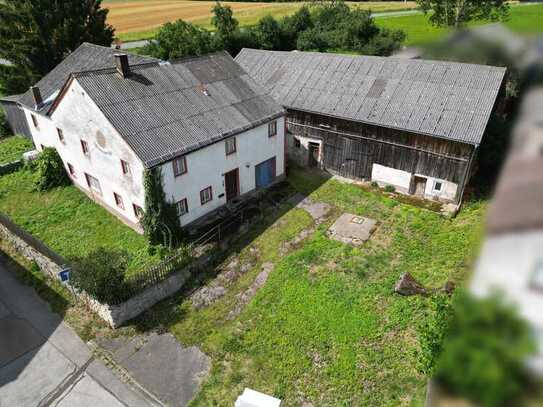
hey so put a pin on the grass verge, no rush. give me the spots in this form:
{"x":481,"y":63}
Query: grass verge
{"x":67,"y":221}
{"x":13,"y":147}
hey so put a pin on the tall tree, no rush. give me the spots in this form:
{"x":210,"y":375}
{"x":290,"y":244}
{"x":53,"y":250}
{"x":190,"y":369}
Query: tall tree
{"x":456,"y":13}
{"x":224,"y":21}
{"x":181,"y":39}
{"x":35,"y":35}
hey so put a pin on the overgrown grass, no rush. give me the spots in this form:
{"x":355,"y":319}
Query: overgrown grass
{"x":12,"y":148}
{"x":67,"y":221}
{"x":327,"y":328}
{"x":524,"y":19}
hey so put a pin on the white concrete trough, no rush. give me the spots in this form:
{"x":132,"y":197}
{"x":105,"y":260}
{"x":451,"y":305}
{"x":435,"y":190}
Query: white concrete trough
{"x":253,"y":398}
{"x":352,"y":229}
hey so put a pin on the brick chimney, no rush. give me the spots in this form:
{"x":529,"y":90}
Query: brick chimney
{"x":36,"y":94}
{"x":121,"y":63}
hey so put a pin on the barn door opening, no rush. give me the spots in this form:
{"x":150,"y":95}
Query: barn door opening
{"x":313,"y":155}
{"x":419,"y":186}
{"x":265,"y":173}
{"x":231,"y":184}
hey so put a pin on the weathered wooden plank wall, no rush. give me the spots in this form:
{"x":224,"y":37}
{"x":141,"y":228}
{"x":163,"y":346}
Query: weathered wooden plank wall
{"x":351,"y":148}
{"x":16,"y":119}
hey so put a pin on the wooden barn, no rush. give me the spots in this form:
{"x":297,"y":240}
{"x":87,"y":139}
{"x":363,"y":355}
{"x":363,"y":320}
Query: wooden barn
{"x":412,"y":124}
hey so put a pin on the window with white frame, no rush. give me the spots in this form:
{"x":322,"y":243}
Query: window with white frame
{"x":206,"y":195}
{"x":272,"y":128}
{"x":34,"y":120}
{"x":138,"y":211}
{"x":438,"y":186}
{"x":118,"y":200}
{"x":179,"y":166}
{"x":125,"y":167}
{"x":60,"y":135}
{"x":84,"y":147}
{"x":230,"y":145}
{"x":71,"y":170}
{"x":93,"y":184}
{"x":182,"y":207}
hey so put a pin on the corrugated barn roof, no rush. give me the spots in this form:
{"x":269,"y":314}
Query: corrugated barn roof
{"x":442,"y":99}
{"x":166,"y":109}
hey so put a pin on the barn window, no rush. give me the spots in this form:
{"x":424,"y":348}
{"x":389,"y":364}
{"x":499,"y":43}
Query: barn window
{"x":118,"y":200}
{"x":137,"y":211}
{"x":179,"y":166}
{"x":272,"y":128}
{"x":85,"y":147}
{"x":438,"y":186}
{"x":71,"y":170}
{"x":206,"y":195}
{"x":182,"y":207}
{"x":297,"y":143}
{"x":536,"y":279}
{"x":60,"y":135}
{"x":230,"y":145}
{"x":93,"y":184}
{"x":125,"y":167}
{"x":34,"y":120}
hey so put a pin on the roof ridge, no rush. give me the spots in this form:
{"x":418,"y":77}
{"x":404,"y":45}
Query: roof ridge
{"x":112,"y":69}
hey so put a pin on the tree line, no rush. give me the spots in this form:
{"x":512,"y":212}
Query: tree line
{"x":324,"y":26}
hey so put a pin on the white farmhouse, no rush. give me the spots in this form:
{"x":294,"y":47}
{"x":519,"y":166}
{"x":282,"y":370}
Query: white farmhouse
{"x":211,"y":130}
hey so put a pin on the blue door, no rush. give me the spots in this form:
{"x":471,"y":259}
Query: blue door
{"x":265,"y":173}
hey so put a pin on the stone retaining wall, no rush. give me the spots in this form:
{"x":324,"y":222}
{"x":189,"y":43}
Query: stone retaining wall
{"x":115,"y":315}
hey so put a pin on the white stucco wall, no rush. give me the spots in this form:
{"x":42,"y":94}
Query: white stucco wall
{"x":401,"y":180}
{"x":506,"y":264}
{"x":391,"y":176}
{"x":206,"y":167}
{"x":80,"y":119}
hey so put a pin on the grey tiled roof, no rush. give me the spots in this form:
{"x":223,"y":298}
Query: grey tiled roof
{"x":441,"y":99}
{"x":162,"y":111}
{"x":86,"y":57}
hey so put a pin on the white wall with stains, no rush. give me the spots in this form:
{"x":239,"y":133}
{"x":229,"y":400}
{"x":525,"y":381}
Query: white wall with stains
{"x":80,"y":119}
{"x":206,"y":167}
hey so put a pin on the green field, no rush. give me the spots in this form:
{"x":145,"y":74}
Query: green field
{"x":67,"y":221}
{"x":326,"y":328}
{"x":527,"y":20}
{"x":12,"y":148}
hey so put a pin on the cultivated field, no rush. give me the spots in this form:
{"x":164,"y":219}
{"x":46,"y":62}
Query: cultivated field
{"x":138,"y":19}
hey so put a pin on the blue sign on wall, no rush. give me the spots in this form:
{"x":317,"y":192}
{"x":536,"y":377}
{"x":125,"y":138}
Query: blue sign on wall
{"x":64,"y":275}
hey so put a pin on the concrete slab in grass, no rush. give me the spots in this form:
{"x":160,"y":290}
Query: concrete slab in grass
{"x":352,"y":229}
{"x":160,"y":364}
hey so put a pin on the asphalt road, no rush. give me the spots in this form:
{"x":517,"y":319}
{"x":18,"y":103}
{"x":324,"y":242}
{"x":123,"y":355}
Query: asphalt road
{"x":44,"y":363}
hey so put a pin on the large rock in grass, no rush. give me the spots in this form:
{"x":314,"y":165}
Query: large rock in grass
{"x":407,"y":285}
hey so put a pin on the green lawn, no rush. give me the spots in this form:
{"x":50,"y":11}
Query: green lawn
{"x":12,"y":148}
{"x":67,"y":220}
{"x":527,"y":20}
{"x":326,"y":328}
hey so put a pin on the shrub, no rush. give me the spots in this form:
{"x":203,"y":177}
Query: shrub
{"x":390,"y":188}
{"x":5,"y":131}
{"x":181,"y":39}
{"x":101,"y":274}
{"x":484,"y":353}
{"x":374,"y":184}
{"x":49,"y":170}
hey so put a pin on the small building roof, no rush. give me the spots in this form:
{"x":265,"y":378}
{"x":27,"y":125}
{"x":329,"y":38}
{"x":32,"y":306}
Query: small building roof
{"x":442,"y":99}
{"x":166,"y":109}
{"x":86,"y":57}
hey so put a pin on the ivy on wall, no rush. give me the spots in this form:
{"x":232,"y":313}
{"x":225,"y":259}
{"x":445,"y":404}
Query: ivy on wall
{"x":160,"y":222}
